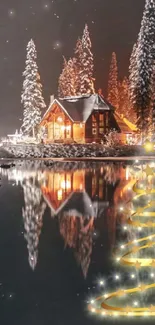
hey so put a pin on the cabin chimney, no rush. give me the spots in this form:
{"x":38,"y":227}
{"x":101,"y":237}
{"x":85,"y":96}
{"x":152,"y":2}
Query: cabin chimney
{"x":51,"y":99}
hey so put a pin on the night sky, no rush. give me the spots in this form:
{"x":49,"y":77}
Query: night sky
{"x":55,"y":26}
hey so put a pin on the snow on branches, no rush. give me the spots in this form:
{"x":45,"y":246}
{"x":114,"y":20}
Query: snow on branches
{"x":68,"y":79}
{"x":76,"y":78}
{"x":141,"y":68}
{"x":113,"y":82}
{"x":31,"y":98}
{"x":85,"y":63}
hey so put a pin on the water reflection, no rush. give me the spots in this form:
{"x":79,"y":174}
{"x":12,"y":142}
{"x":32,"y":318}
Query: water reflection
{"x":77,"y":198}
{"x":32,"y":213}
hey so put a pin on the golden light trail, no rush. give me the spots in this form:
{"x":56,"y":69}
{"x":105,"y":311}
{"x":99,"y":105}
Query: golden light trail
{"x":103,"y":304}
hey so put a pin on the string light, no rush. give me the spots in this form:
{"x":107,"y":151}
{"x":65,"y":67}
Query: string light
{"x":103,"y":305}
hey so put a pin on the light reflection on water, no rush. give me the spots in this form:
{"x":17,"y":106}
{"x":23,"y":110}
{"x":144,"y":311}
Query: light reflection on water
{"x":82,"y":200}
{"x":76,"y":198}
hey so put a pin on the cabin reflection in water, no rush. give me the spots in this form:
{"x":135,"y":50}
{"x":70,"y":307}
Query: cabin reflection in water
{"x":63,"y":191}
{"x":77,"y":198}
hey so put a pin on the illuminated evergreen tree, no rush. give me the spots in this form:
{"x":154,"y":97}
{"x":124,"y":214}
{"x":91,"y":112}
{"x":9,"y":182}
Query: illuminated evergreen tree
{"x":124,"y":103}
{"x":141,"y":72}
{"x":31,"y":98}
{"x":132,"y":73}
{"x":67,"y":79}
{"x":85,"y":64}
{"x":113,"y":82}
{"x":76,"y":78}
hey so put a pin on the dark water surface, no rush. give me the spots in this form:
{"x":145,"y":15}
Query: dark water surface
{"x":59,"y":229}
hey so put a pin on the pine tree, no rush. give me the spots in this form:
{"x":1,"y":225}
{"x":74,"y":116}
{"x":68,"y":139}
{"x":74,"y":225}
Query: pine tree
{"x":141,"y":68}
{"x":85,"y":64}
{"x":113,"y":82}
{"x":132,"y":72}
{"x":31,"y":99}
{"x":67,"y":79}
{"x":142,"y":90}
{"x":124,"y":103}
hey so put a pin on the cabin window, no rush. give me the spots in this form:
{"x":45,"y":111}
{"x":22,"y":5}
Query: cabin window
{"x":94,"y":131}
{"x":106,"y":119}
{"x":101,"y":120}
{"x":94,"y":121}
{"x":94,"y":124}
{"x":101,"y":130}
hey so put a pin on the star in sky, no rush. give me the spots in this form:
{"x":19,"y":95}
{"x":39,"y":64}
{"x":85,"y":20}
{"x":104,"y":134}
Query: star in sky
{"x":11,"y":13}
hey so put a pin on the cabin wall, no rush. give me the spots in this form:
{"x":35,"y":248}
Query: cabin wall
{"x":113,"y":124}
{"x":97,"y":126}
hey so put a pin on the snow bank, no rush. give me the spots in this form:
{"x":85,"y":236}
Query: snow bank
{"x":70,"y":151}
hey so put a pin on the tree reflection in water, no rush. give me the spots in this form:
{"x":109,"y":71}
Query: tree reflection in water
{"x":77,"y":197}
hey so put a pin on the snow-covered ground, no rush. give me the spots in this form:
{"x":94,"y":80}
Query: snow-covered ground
{"x":70,"y":151}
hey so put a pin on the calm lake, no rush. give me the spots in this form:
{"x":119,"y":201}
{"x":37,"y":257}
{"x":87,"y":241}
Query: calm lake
{"x":60,"y":229}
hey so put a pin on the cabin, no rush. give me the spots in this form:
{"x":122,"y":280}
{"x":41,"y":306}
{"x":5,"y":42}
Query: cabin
{"x":83,"y":119}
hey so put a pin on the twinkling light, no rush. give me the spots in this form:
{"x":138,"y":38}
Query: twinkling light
{"x":131,"y":258}
{"x":135,"y":303}
{"x":11,"y":13}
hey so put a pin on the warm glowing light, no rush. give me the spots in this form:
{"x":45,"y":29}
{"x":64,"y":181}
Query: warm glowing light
{"x":118,"y":259}
{"x":129,"y":259}
{"x":65,"y":185}
{"x":59,"y":119}
{"x":101,"y":283}
{"x":135,"y":303}
{"x":148,"y":146}
{"x":103,"y":313}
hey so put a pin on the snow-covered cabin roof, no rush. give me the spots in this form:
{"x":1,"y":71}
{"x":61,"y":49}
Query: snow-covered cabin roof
{"x":85,"y":208}
{"x":80,"y":108}
{"x":123,"y":124}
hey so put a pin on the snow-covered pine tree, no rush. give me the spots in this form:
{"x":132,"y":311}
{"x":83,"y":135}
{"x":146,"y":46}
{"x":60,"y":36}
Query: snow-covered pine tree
{"x":132,"y":73}
{"x":141,"y":68}
{"x":143,"y":83}
{"x":31,"y":98}
{"x":113,"y":82}
{"x":67,"y":79}
{"x":32,"y":217}
{"x":85,"y":64}
{"x":124,"y":103}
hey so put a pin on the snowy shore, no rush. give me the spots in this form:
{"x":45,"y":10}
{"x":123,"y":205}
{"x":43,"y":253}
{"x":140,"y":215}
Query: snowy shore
{"x":70,"y":151}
